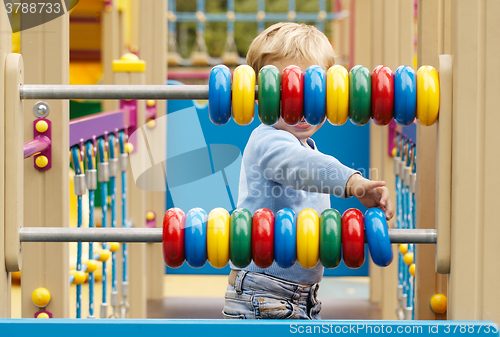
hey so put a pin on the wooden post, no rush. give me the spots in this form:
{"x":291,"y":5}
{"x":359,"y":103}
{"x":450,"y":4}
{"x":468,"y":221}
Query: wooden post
{"x":110,"y":49}
{"x":127,"y":71}
{"x":5,"y":48}
{"x":45,"y":49}
{"x":475,"y":161}
{"x":152,"y":49}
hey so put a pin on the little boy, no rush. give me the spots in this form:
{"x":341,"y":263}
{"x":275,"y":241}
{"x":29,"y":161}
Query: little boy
{"x":282,"y":168}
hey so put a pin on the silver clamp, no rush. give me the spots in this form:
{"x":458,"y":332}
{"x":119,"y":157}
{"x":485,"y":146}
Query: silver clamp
{"x":406,"y":176}
{"x":103,"y":172}
{"x":104,"y":310}
{"x":123,"y":161}
{"x":413,"y":183}
{"x":113,"y":167}
{"x":79,"y":184}
{"x":397,"y":161}
{"x":408,"y":313}
{"x":114,"y":304}
{"x":91,"y":179}
{"x":124,"y":305}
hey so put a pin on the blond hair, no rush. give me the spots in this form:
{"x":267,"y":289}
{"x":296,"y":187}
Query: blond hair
{"x":290,"y":41}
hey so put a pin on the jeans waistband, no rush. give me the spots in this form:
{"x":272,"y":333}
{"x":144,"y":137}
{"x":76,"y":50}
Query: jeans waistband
{"x":244,"y":279}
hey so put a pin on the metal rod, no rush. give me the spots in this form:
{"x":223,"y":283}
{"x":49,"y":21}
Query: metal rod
{"x":61,"y":234}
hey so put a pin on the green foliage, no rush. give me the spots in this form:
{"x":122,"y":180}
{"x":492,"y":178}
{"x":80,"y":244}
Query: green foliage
{"x":244,"y":32}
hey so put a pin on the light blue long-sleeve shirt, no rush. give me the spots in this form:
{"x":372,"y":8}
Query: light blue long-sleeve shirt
{"x":278,"y":171}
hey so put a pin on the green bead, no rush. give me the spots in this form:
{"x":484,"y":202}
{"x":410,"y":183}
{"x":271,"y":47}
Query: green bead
{"x":360,"y":95}
{"x":330,"y":238}
{"x":269,"y":94}
{"x":240,"y":238}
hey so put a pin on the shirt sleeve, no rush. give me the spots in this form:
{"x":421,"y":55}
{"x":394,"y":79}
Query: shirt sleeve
{"x":281,"y":158}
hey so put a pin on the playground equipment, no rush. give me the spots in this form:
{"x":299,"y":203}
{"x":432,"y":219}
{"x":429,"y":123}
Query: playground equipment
{"x":230,"y":56}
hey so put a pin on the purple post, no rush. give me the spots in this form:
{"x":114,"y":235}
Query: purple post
{"x":41,"y":137}
{"x":39,"y":144}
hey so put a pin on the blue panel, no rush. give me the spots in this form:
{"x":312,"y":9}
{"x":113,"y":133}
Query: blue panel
{"x":251,"y":328}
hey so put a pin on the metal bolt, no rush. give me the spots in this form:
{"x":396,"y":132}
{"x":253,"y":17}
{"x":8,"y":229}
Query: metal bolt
{"x":41,"y":109}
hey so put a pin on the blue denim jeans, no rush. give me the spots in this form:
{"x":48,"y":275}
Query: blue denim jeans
{"x":259,"y":296}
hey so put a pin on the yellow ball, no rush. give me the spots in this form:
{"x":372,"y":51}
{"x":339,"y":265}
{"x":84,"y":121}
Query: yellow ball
{"x":129,"y":57}
{"x":129,"y":148}
{"x":150,"y":102}
{"x":150,"y":215}
{"x":412,"y":269}
{"x":438,"y":303}
{"x":403,"y":248}
{"x":41,"y":161}
{"x":104,"y":255}
{"x":43,"y":315}
{"x":394,"y":152}
{"x":40,"y":297}
{"x":408,"y":258}
{"x":114,"y":246}
{"x":80,"y":277}
{"x":41,"y":126}
{"x":151,"y":124}
{"x":91,"y":266}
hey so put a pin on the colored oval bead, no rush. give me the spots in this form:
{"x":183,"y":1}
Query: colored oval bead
{"x":219,"y":95}
{"x":173,"y":237}
{"x":427,"y":95}
{"x":195,"y":238}
{"x":308,"y":238}
{"x":330,"y":238}
{"x":263,"y":238}
{"x":377,"y":236}
{"x":243,"y":95}
{"x":405,"y":95}
{"x":359,"y":95}
{"x":285,"y":238}
{"x":382,"y":95}
{"x":269,"y":95}
{"x":292,"y":95}
{"x":314,"y":95}
{"x":218,"y":237}
{"x":353,"y":241}
{"x":337,"y":95}
{"x":240,"y":238}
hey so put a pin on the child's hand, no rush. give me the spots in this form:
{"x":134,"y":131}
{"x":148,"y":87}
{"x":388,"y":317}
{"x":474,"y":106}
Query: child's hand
{"x":371,"y":193}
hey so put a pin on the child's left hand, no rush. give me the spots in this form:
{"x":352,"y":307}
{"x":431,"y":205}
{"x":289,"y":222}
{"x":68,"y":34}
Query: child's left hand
{"x":371,"y":193}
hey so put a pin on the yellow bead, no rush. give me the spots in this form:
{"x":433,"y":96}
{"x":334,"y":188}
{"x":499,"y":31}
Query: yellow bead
{"x":150,"y":103}
{"x":427,"y":95}
{"x":394,"y":152}
{"x":104,"y":255}
{"x":40,"y":297}
{"x":337,"y":95}
{"x":150,"y":215}
{"x":43,"y":315}
{"x":151,"y":124}
{"x":408,"y":258}
{"x":403,"y":248}
{"x":41,"y":126}
{"x":412,"y":269}
{"x":218,"y":237}
{"x":114,"y":246}
{"x":41,"y":161}
{"x":308,"y":238}
{"x":129,"y":148}
{"x":80,"y":277}
{"x":243,"y":96}
{"x":91,"y":266}
{"x":438,"y":303}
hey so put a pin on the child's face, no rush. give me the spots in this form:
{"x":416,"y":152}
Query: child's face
{"x":302,"y":130}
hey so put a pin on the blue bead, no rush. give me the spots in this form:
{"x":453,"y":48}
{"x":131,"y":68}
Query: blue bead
{"x":285,"y":238}
{"x":405,"y":95}
{"x":377,"y":236}
{"x":219,"y":95}
{"x":195,"y":238}
{"x":314,"y":95}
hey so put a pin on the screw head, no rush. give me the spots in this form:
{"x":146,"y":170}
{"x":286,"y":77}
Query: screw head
{"x":41,"y":109}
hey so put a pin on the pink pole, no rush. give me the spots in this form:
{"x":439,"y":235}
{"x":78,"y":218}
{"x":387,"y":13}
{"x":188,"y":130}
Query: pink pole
{"x":39,"y":144}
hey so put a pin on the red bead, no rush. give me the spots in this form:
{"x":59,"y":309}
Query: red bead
{"x":382,"y":95}
{"x":292,"y":95}
{"x":263,"y":238}
{"x":353,"y":239}
{"x":173,"y":237}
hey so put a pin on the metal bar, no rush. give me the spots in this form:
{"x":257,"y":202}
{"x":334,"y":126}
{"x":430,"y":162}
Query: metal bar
{"x":57,"y":234}
{"x":39,"y":144}
{"x":61,"y":91}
